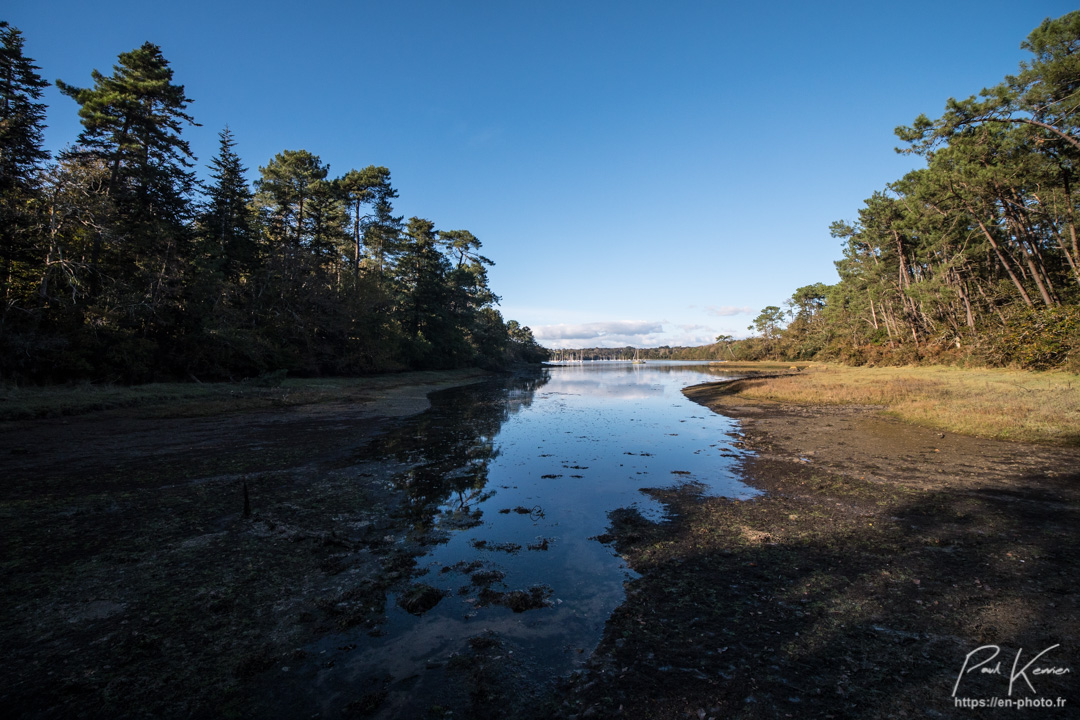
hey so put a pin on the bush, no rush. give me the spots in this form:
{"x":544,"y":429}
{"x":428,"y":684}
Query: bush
{"x":1039,"y":338}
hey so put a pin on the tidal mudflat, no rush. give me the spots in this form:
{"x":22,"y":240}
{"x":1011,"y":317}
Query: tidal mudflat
{"x":350,"y":557}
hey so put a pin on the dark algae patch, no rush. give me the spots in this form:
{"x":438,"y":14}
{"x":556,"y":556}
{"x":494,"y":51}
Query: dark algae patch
{"x":880,"y":556}
{"x":417,"y":599}
{"x":519,"y":601}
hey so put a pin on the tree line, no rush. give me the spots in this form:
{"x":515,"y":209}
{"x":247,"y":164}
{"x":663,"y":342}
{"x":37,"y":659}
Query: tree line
{"x":118,"y":264}
{"x":973,"y":258}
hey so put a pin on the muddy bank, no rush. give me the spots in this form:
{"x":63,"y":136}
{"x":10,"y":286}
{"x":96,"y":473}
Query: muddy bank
{"x":159,"y":565}
{"x":139,"y":578}
{"x":880,"y":556}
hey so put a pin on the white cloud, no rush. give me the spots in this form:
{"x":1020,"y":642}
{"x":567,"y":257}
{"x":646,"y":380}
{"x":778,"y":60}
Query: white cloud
{"x":728,"y":310}
{"x":623,"y":334}
{"x":595,"y":330}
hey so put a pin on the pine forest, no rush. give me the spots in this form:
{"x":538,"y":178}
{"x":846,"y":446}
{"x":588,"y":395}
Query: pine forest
{"x":119,"y":265}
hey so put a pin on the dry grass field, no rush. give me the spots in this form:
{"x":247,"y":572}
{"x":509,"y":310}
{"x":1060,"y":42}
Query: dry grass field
{"x":1002,"y":404}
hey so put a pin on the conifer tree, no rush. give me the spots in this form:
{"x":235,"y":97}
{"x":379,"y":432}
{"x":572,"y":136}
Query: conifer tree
{"x":382,"y":232}
{"x":362,"y":187}
{"x":227,"y":222}
{"x":421,"y":274}
{"x":22,"y":121}
{"x":132,"y":122}
{"x":467,"y":282}
{"x":285,"y":188}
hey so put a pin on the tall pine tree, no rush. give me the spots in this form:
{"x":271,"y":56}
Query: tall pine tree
{"x":132,"y":122}
{"x":22,"y":121}
{"x":362,"y":187}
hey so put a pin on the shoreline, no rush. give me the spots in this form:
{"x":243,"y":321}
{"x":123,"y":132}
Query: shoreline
{"x":844,"y":590}
{"x":864,"y":442}
{"x":880,"y":555}
{"x":163,"y":559}
{"x":185,"y":400}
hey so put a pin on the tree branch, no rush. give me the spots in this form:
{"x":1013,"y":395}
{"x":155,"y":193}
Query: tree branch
{"x":1028,"y":121}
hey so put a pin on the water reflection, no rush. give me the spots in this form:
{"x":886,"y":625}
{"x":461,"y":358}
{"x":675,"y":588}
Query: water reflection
{"x":507,"y":484}
{"x":450,"y":447}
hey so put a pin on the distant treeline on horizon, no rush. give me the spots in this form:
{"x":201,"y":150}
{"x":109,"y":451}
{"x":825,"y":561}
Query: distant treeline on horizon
{"x":629,"y":352}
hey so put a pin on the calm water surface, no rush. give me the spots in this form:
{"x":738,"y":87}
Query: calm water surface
{"x":517,"y":477}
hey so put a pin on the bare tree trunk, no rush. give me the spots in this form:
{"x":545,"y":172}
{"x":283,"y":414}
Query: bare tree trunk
{"x":885,"y":315}
{"x":1074,"y":256}
{"x":905,"y":279}
{"x":1036,"y":275}
{"x":962,"y":287}
{"x":356,"y":240}
{"x":1015,"y":212}
{"x":1075,"y":247}
{"x":1001,"y":258}
{"x":1001,"y":316}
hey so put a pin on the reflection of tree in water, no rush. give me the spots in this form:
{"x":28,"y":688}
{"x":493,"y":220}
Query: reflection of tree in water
{"x":449,"y":448}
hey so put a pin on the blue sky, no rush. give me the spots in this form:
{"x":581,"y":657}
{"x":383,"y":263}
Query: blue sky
{"x":641,"y":173}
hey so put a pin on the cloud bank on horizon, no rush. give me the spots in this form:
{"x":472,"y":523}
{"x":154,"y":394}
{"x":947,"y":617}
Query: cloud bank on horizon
{"x":595,"y":330}
{"x":648,"y":333}
{"x":621,"y":334}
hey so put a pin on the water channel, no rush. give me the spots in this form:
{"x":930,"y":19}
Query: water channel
{"x":514,"y":480}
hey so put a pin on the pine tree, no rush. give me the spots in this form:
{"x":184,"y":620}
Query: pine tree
{"x":424,"y":307}
{"x":132,"y":122}
{"x":285,"y":189}
{"x":382,"y":232}
{"x":22,"y":122}
{"x":363,"y":187}
{"x":467,"y":282}
{"x":227,"y":222}
{"x":285,"y":194}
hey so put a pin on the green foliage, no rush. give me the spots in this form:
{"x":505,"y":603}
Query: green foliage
{"x":134,"y":279}
{"x":973,"y":258}
{"x":1039,"y":338}
{"x":768,"y":322}
{"x":369,"y":186}
{"x":132,"y":120}
{"x":22,"y":120}
{"x":226,"y":226}
{"x":523,"y":346}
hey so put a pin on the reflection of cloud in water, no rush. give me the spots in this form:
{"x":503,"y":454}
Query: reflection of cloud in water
{"x":592,"y":437}
{"x":608,"y":385}
{"x":593,"y":388}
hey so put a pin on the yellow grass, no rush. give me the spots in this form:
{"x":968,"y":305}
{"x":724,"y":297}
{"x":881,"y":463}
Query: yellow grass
{"x":1004,"y":404}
